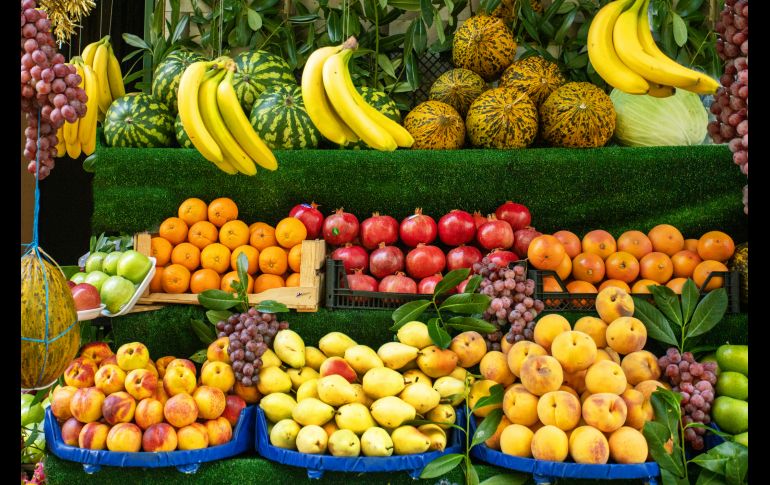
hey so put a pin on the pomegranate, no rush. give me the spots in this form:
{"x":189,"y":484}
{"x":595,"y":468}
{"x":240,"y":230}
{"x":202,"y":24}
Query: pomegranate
{"x":386,"y":260}
{"x":456,"y":227}
{"x":424,"y":261}
{"x":495,"y":234}
{"x":398,"y":283}
{"x":340,"y":228}
{"x":353,"y":257}
{"x":502,"y":258}
{"x":378,"y":229}
{"x":361,"y":282}
{"x":523,"y":237}
{"x":461,"y":287}
{"x":517,"y":215}
{"x":478,"y":219}
{"x":310,"y":216}
{"x":462,"y":257}
{"x":418,"y":228}
{"x":427,"y":285}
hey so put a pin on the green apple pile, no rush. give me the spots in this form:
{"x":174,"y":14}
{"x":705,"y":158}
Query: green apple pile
{"x":731,"y":407}
{"x":115,"y":275}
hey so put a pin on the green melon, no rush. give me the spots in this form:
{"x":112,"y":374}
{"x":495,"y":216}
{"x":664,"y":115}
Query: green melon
{"x":484,"y":45}
{"x":165,"y":79}
{"x":577,"y":115}
{"x":502,"y":118}
{"x":435,"y":126}
{"x":280,"y":119}
{"x":382,"y":103}
{"x":458,"y":88}
{"x":255,"y":72}
{"x":138,"y":120}
{"x":534,"y":75}
{"x":181,"y":135}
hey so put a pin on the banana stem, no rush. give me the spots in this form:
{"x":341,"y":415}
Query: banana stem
{"x":351,"y":43}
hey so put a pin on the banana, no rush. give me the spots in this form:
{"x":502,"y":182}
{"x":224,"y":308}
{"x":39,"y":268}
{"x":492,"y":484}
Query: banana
{"x":71,"y":129}
{"x":101,"y":59}
{"x":661,"y":91}
{"x":317,"y":105}
{"x":89,"y":52}
{"x":61,"y":146}
{"x":601,"y":51}
{"x":115,"y":77}
{"x":87,"y":128}
{"x":73,"y":149}
{"x":240,"y":126}
{"x":190,"y":114}
{"x":338,"y":90}
{"x":212,"y":119}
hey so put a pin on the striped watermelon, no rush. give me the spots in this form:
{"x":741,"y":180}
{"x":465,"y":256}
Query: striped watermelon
{"x":279,"y":118}
{"x":165,"y":79}
{"x":255,"y":72}
{"x":181,"y":135}
{"x":138,"y":120}
{"x":382,"y":103}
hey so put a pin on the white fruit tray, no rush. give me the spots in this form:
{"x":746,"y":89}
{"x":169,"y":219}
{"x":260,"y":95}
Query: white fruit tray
{"x":137,"y":293}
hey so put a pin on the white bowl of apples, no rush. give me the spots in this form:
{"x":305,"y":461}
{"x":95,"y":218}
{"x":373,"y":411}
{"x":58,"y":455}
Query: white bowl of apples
{"x":87,"y":301}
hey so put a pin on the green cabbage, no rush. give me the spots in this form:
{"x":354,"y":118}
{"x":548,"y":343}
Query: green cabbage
{"x":644,"y":120}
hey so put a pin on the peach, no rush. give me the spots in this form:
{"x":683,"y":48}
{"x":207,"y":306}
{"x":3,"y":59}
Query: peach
{"x":626,"y":335}
{"x":250,"y":394}
{"x":183,"y":362}
{"x":211,"y":402}
{"x":118,"y":407}
{"x":494,"y":367}
{"x":520,"y":405}
{"x":149,"y":411}
{"x":110,"y":378}
{"x":218,"y":351}
{"x":548,"y":327}
{"x":159,"y":437}
{"x":192,"y":437}
{"x":541,"y":374}
{"x":179,"y":380}
{"x":219,"y":375}
{"x":520,"y":351}
{"x":570,"y":390}
{"x":219,"y":430}
{"x":478,"y":390}
{"x":584,"y":396}
{"x":61,"y":399}
{"x":588,"y":445}
{"x":151,"y":367}
{"x":628,"y":445}
{"x":601,"y":354}
{"x":93,"y":436}
{"x":614,"y":356}
{"x":560,"y":409}
{"x":470,"y":348}
{"x":124,"y":437}
{"x":338,"y":365}
{"x":550,"y":443}
{"x":648,"y":387}
{"x":330,"y":428}
{"x":234,"y":404}
{"x":180,"y":410}
{"x":437,"y":362}
{"x":613,"y":303}
{"x":605,"y":376}
{"x":576,"y":381}
{"x":639,"y":409}
{"x":141,"y":383}
{"x":132,"y":356}
{"x":111,"y":360}
{"x":160,"y":394}
{"x":162,"y":363}
{"x":80,"y":373}
{"x":604,"y":411}
{"x":574,"y":350}
{"x":640,"y":366}
{"x":596,"y":328}
{"x":70,"y":431}
{"x":494,"y":440}
{"x":516,"y":440}
{"x":86,"y":404}
{"x":96,"y":351}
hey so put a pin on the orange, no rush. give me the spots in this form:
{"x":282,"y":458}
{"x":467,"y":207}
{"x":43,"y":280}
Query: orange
{"x":704,"y":269}
{"x":716,"y":245}
{"x":565,"y":268}
{"x":616,"y":283}
{"x":273,"y":260}
{"x":570,"y":241}
{"x":599,"y":242}
{"x":546,"y":252}
{"x":193,"y":210}
{"x":156,"y":285}
{"x":290,"y":232}
{"x":676,"y":285}
{"x":657,"y":267}
{"x":187,"y":255}
{"x":666,"y":239}
{"x":217,"y":257}
{"x":160,"y":249}
{"x":262,"y":236}
{"x":175,"y":279}
{"x":204,"y":279}
{"x":622,"y":266}
{"x":174,"y":230}
{"x":233,"y":276}
{"x":550,"y":285}
{"x":222,"y":210}
{"x":252,"y":254}
{"x":691,"y":245}
{"x":234,"y":234}
{"x":267,"y":281}
{"x":684,"y":263}
{"x":641,"y":286}
{"x":636,"y":243}
{"x":202,"y":233}
{"x":292,"y":280}
{"x":295,"y":258}
{"x":582,"y":287}
{"x":588,"y":267}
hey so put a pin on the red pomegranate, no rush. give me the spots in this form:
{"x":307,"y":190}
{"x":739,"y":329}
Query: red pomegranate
{"x":456,"y":227}
{"x":502,"y":258}
{"x":523,"y":237}
{"x":378,"y":229}
{"x":478,"y":219}
{"x":462,"y":257}
{"x":495,"y":234}
{"x":424,"y":261}
{"x":353,"y":257}
{"x":418,"y":228}
{"x":362,"y":282}
{"x":427,"y":285}
{"x":398,"y":283}
{"x":517,"y":215}
{"x":386,"y":260}
{"x":310,"y":216}
{"x":461,"y":287}
{"x":340,"y":228}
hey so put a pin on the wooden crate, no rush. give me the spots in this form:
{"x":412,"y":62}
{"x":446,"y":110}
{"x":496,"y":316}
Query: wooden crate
{"x":304,"y":298}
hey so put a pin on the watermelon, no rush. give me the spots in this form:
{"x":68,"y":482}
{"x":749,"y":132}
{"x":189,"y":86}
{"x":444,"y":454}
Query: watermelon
{"x":382,"y":103}
{"x":256,"y":71}
{"x":577,"y":115}
{"x":181,"y":135}
{"x":279,"y":118}
{"x":165,"y":79}
{"x":138,"y":120}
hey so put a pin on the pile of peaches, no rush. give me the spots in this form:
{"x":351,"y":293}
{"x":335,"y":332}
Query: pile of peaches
{"x":126,"y":402}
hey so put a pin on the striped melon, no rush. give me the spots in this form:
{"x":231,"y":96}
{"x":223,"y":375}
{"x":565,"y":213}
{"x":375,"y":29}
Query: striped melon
{"x":535,"y":75}
{"x":502,"y":118}
{"x":382,"y":103}
{"x":484,"y":45}
{"x":578,"y":114}
{"x":507,"y":10}
{"x":138,"y":120}
{"x":256,"y":71}
{"x":165,"y":79}
{"x":458,"y":88}
{"x":181,"y":135}
{"x":280,"y":119}
{"x":435,"y":126}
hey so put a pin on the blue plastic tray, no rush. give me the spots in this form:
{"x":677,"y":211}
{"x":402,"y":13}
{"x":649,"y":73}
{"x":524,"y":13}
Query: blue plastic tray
{"x":186,"y":461}
{"x":317,"y":464}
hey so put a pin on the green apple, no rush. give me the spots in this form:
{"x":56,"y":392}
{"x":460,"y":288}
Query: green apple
{"x":115,"y":293}
{"x":134,"y":266}
{"x":96,"y":278}
{"x":734,"y":358}
{"x":733,"y":384}
{"x":95,"y":261}
{"x":731,"y":415}
{"x":742,"y":438}
{"x":110,"y":264}
{"x":78,"y":278}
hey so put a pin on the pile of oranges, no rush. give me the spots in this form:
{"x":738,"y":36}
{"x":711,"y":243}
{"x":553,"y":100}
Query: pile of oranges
{"x":633,"y":262}
{"x":198,"y":250}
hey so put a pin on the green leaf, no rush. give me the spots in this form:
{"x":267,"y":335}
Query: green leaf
{"x":708,"y":313}
{"x":427,"y":12}
{"x":409,"y":5}
{"x":204,"y":332}
{"x":487,"y":427}
{"x":669,"y":478}
{"x":450,"y":281}
{"x":687,"y":7}
{"x":707,"y":477}
{"x":658,"y":327}
{"x":255,"y":20}
{"x":468,"y":303}
{"x":217,"y":300}
{"x":384,"y":62}
{"x":438,"y":335}
{"x":668,"y":303}
{"x":473,"y":284}
{"x":304,"y":19}
{"x":667,"y":410}
{"x":419,"y":37}
{"x":680,"y":29}
{"x":242,"y":265}
{"x":711,"y":461}
{"x":180,"y":28}
{"x":199,"y":356}
{"x":440,"y":34}
{"x":412,"y":71}
{"x":566,"y":24}
{"x":495,"y":397}
{"x":408,"y":312}
{"x":690,"y":297}
{"x":215,"y":316}
{"x":657,"y":435}
{"x":473,"y":476}
{"x":507,"y":479}
{"x":489,"y":6}
{"x":441,"y":465}
{"x":737,"y":467}
{"x":334,"y":28}
{"x":135,"y":41}
{"x":470,"y":323}
{"x":272,"y":306}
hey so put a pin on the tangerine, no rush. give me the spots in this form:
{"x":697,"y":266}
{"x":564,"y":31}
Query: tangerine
{"x":222,"y":210}
{"x":716,"y":245}
{"x":622,"y":266}
{"x":227,"y":279}
{"x":599,"y":242}
{"x":666,"y":239}
{"x":677,"y":284}
{"x":641,"y":286}
{"x":588,"y":267}
{"x":233,"y":234}
{"x":565,"y":268}
{"x":616,"y":283}
{"x":295,"y":258}
{"x":656,"y":266}
{"x":704,"y":269}
{"x":290,"y":232}
{"x":267,"y":281}
{"x":202,"y":233}
{"x":216,"y":256}
{"x":292,"y":280}
{"x":174,"y":230}
{"x":273,"y":260}
{"x":684,"y":263}
{"x":636,"y":243}
{"x":204,"y":279}
{"x":570,"y":241}
{"x":175,"y":279}
{"x":160,"y":249}
{"x":578,"y":286}
{"x":252,"y":254}
{"x":187,"y":255}
{"x":156,"y":283}
{"x":550,"y":285}
{"x":546,"y":252}
{"x":691,"y":245}
{"x":193,"y":210}
{"x":262,"y":236}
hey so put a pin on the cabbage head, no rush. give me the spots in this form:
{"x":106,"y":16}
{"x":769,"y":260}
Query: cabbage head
{"x":644,"y":120}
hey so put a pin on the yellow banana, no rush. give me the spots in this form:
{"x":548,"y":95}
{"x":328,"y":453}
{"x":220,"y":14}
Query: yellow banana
{"x":71,"y":129}
{"x":661,"y":91}
{"x":89,"y":52}
{"x":602,"y":55}
{"x":317,"y":105}
{"x":101,"y":59}
{"x":338,"y":90}
{"x":189,"y":112}
{"x":61,"y":146}
{"x":240,"y":126}
{"x":73,"y":149}
{"x":207,"y":101}
{"x":87,"y":128}
{"x":115,"y":77}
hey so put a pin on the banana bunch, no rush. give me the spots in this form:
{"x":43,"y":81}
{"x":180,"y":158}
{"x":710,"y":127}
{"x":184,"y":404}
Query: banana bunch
{"x":338,"y":110}
{"x":622,"y":50}
{"x":80,"y":136}
{"x":215,"y":122}
{"x":100,"y":56}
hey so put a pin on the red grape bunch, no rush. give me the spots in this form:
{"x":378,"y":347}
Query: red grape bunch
{"x":49,"y":89}
{"x":696,"y":383}
{"x":251,"y":335}
{"x":731,"y":103}
{"x":512,"y":302}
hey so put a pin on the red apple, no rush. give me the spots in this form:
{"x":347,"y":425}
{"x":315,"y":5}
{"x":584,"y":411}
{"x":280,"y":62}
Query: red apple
{"x":86,"y":296}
